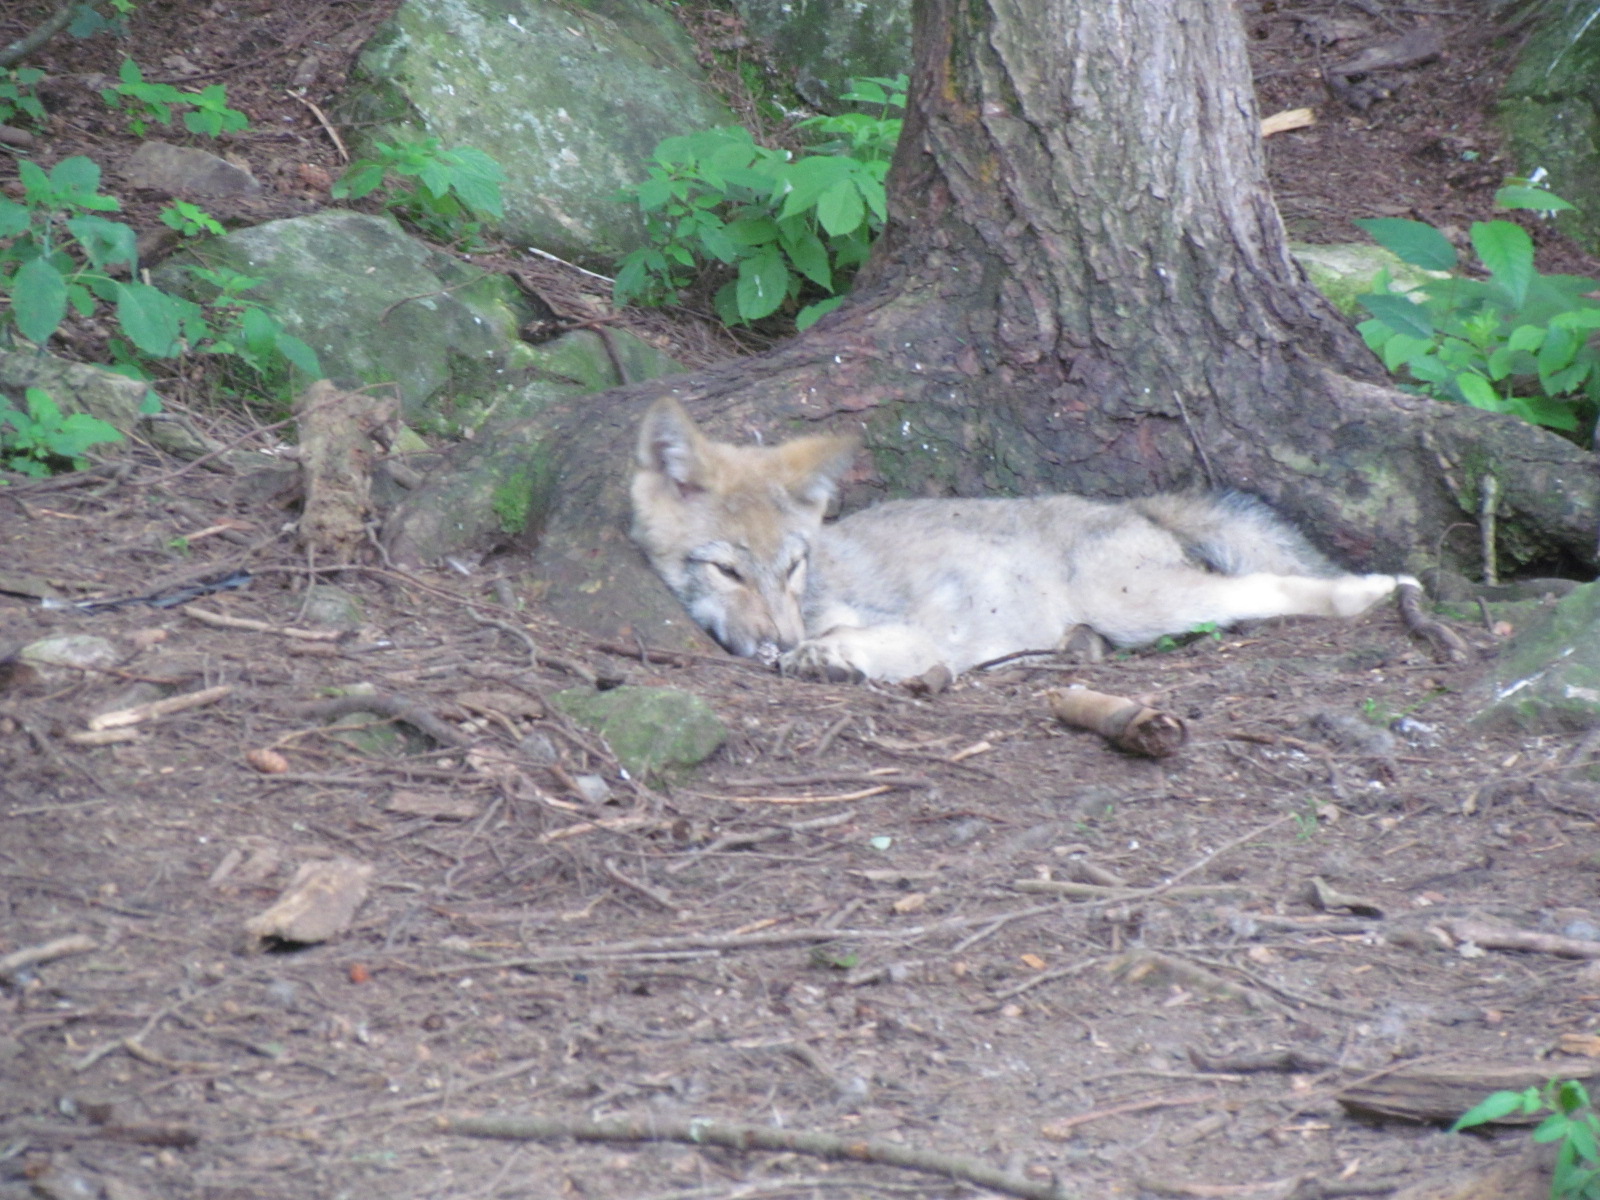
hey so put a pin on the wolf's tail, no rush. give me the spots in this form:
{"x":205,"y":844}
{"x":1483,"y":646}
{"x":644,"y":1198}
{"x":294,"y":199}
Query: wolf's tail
{"x":1235,"y":533}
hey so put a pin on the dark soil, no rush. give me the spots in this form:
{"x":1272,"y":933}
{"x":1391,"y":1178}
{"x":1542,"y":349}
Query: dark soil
{"x":866,"y":915}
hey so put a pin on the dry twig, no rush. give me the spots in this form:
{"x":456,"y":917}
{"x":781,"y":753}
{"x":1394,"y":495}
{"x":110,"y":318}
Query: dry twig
{"x":702,"y":1131}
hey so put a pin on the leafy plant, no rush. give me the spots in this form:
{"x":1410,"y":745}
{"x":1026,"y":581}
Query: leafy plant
{"x":58,"y":253}
{"x":212,"y":116}
{"x":716,"y":204}
{"x":190,"y":219}
{"x":246,"y":329}
{"x":16,"y":95}
{"x":42,"y":441}
{"x":1572,"y":1122}
{"x":1515,"y":342}
{"x":440,"y":191}
{"x":88,"y":20}
{"x":145,"y":102}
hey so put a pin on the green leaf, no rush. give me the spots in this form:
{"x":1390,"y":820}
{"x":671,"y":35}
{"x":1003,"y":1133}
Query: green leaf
{"x":38,"y":299}
{"x":840,"y":209}
{"x":809,"y":256}
{"x":1399,"y":313}
{"x":1577,"y":318}
{"x":1503,"y":362}
{"x":1493,"y":1107}
{"x":752,"y":231}
{"x":1515,"y":195}
{"x":300,"y":354}
{"x":476,"y":178}
{"x":1414,"y":242}
{"x":726,"y":302}
{"x":1581,"y":1138}
{"x":1507,"y":251}
{"x":653,"y":193}
{"x":151,"y":318}
{"x":717,"y":244}
{"x":1478,"y":391}
{"x":812,"y":313}
{"x":105,"y":242}
{"x":803,"y":181}
{"x":1525,"y":337}
{"x":763,"y":284}
{"x":1560,"y":346}
{"x":1375,"y":334}
{"x":363,"y":177}
{"x":14,"y":218}
{"x":1545,"y":411}
{"x":630,"y":279}
{"x":1429,"y":368}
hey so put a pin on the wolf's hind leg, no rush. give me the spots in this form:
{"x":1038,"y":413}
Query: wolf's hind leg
{"x":1184,"y":600}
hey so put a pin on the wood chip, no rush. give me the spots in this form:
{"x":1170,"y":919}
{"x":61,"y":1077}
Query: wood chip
{"x":318,"y":904}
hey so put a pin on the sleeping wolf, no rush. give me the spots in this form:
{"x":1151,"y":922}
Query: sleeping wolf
{"x":888,"y":592}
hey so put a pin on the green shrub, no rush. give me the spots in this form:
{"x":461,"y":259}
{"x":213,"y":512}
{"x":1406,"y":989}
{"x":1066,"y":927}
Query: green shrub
{"x":58,"y":253}
{"x":1572,"y":1122}
{"x":16,"y":95}
{"x":145,"y":102}
{"x":439,"y":191}
{"x":773,"y":229}
{"x":1517,"y":341}
{"x":41,"y":441}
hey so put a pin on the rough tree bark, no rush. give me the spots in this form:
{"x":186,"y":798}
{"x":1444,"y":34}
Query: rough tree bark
{"x":1085,"y":286}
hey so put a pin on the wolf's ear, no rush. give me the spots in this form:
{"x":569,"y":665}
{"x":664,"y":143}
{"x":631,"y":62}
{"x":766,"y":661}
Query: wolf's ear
{"x":671,"y":445}
{"x":810,"y":467}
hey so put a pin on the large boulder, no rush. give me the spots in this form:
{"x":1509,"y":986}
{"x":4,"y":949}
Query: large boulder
{"x":1550,"y":109}
{"x":820,"y":44}
{"x":570,"y":98}
{"x":380,"y":307}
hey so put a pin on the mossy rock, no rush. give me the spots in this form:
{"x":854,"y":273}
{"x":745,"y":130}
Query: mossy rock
{"x":1547,"y":680}
{"x":650,"y":730}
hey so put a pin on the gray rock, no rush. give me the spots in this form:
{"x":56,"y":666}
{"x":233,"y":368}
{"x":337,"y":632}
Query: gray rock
{"x":824,"y":43}
{"x":1550,"y":109}
{"x":82,"y":651}
{"x":570,"y":100}
{"x":378,"y":307}
{"x":1547,"y":679}
{"x":115,"y":399}
{"x":1342,"y":271}
{"x":186,"y":171}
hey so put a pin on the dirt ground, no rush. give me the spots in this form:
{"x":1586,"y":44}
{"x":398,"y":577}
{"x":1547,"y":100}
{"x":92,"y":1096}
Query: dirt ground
{"x":942,"y":923}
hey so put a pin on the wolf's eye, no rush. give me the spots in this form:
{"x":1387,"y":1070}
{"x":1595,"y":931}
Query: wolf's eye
{"x":729,"y":572}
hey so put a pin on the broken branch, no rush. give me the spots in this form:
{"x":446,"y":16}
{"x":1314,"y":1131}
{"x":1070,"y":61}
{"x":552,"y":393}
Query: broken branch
{"x":1125,"y":723}
{"x":702,"y":1131}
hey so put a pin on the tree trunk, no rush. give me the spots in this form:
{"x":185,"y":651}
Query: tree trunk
{"x":1085,"y":287}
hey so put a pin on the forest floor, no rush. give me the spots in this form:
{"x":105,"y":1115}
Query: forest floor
{"x":941,"y":923}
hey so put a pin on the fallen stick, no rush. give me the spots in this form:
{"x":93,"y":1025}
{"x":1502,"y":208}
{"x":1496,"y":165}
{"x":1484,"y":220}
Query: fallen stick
{"x":1507,"y":937}
{"x":224,"y":621}
{"x":29,"y":956}
{"x":1125,"y":723}
{"x":1289,"y":118}
{"x":702,"y":1131}
{"x":157,"y":709}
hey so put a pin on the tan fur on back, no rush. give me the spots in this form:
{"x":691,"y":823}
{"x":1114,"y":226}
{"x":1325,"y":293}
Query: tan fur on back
{"x":888,"y":592}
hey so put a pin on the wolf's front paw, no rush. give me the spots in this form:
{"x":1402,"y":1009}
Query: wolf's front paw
{"x":1354,"y":594}
{"x":819,"y":660}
